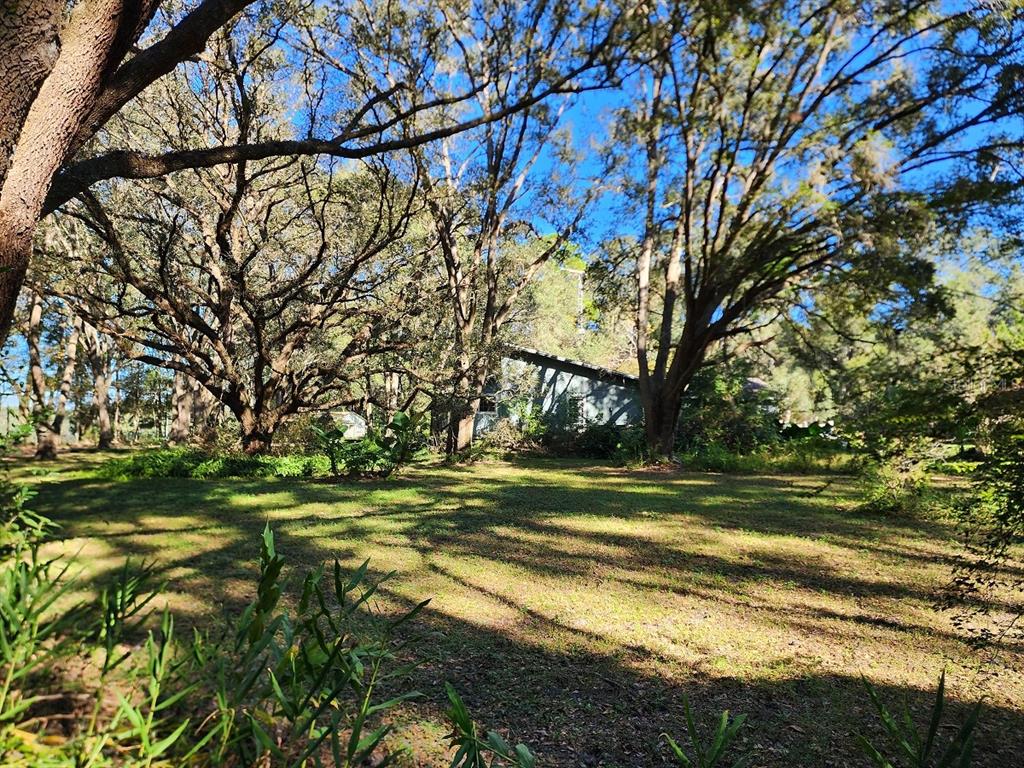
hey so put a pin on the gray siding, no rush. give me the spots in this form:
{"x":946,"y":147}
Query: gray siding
{"x":563,"y":389}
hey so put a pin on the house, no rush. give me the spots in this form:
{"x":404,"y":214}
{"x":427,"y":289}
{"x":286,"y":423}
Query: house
{"x":557,"y":388}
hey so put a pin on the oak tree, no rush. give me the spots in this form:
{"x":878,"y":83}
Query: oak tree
{"x":780,"y":142}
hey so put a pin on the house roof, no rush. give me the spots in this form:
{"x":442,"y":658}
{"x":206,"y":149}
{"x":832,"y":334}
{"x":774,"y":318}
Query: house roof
{"x":586,"y":369}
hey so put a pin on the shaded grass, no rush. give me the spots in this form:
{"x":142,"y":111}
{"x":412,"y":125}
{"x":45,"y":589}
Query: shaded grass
{"x":575,"y":603}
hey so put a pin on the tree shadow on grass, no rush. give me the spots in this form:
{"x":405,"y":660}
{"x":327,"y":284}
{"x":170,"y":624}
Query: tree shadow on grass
{"x":576,"y":708}
{"x":748,"y":593}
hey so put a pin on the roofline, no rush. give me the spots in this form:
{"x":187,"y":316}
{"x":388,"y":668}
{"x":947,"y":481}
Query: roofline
{"x":523,"y":353}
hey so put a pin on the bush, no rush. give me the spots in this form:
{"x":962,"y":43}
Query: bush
{"x":715,"y":457}
{"x":598,"y":441}
{"x":197,"y":464}
{"x":621,"y":443}
{"x":955,"y":467}
{"x":298,"y":434}
{"x":896,"y":485}
{"x":810,"y":455}
{"x":722,"y":408}
{"x":504,"y":436}
{"x":381,"y":452}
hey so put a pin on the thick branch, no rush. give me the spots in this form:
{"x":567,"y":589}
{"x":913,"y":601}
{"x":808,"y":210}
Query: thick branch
{"x":186,"y":39}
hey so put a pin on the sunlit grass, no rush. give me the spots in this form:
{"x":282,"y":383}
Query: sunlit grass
{"x":574,"y":602}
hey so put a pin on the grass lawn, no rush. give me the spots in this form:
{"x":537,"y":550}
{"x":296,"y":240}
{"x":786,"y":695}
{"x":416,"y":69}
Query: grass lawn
{"x":574,"y":604}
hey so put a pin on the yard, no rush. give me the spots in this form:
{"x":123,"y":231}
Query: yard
{"x":574,"y":605}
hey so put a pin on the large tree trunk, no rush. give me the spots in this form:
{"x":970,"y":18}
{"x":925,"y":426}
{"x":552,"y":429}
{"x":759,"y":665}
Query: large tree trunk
{"x":204,"y":406}
{"x":37,"y":379}
{"x":661,"y":419}
{"x":48,"y":430}
{"x":97,"y":350}
{"x":101,"y":396}
{"x":257,"y":440}
{"x":67,"y":376}
{"x":117,"y":410}
{"x":257,"y":430}
{"x":181,"y":403}
{"x":37,"y":134}
{"x":61,"y":83}
{"x":465,"y":406}
{"x":661,"y":394}
{"x":15,"y":249}
{"x":460,"y":428}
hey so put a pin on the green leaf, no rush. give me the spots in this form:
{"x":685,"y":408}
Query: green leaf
{"x":159,"y":748}
{"x":874,"y":754}
{"x":677,"y":750}
{"x":933,"y":726}
{"x":524,"y":757}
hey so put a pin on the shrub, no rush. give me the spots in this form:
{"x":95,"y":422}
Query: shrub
{"x":990,"y":518}
{"x":620,"y":443}
{"x":810,"y":455}
{"x":598,"y":441}
{"x":380,"y":452}
{"x":197,"y":464}
{"x":631,"y":447}
{"x":721,"y":407}
{"x":955,"y":467}
{"x":896,"y":485}
{"x":504,"y":436}
{"x":298,"y":434}
{"x":713,"y":457}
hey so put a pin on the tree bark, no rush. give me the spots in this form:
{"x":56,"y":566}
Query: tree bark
{"x":116,"y":431}
{"x":460,"y":430}
{"x":468,"y":390}
{"x":661,"y":420}
{"x":101,"y":395}
{"x":29,"y":44}
{"x":46,"y":133}
{"x":48,"y":430}
{"x":62,"y":82}
{"x":97,"y":350}
{"x":257,"y":429}
{"x":181,"y":402}
{"x":204,"y":407}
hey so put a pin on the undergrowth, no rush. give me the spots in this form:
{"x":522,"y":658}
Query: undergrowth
{"x":199,"y":465}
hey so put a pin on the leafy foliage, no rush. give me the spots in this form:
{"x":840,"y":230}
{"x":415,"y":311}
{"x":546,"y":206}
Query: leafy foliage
{"x":200,"y":464}
{"x":283,"y":687}
{"x":897,"y":485}
{"x":724,"y":407}
{"x":992,"y":516}
{"x":708,"y":753}
{"x":271,"y":687}
{"x":921,"y":750}
{"x":473,"y":748}
{"x":380,"y":452}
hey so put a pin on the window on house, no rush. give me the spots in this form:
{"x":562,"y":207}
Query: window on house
{"x":489,"y":398}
